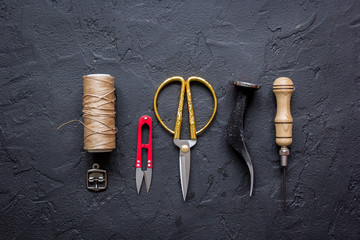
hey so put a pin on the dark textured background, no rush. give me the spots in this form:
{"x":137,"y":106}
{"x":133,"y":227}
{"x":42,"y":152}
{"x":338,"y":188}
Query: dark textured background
{"x":47,"y":46}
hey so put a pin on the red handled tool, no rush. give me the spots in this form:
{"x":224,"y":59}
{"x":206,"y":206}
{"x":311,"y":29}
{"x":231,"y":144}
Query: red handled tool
{"x":147,"y":174}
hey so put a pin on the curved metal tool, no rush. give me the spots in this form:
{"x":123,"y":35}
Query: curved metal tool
{"x":235,"y":127}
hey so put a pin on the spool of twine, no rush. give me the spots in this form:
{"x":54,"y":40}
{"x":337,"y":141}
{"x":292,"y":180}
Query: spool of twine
{"x":99,"y":113}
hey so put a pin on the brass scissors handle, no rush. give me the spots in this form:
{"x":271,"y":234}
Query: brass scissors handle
{"x":185,"y":85}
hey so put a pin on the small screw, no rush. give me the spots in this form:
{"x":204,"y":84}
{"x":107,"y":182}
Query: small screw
{"x":185,"y":148}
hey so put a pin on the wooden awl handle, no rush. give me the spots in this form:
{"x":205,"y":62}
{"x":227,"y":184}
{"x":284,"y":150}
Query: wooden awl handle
{"x":283,"y":88}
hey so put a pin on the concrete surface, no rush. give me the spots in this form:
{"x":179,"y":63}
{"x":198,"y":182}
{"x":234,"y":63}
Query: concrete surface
{"x":47,"y":46}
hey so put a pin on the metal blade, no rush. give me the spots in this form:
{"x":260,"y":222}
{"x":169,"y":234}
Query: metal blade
{"x":251,"y":170}
{"x":184,"y":163}
{"x":139,"y":178}
{"x":235,"y":127}
{"x":240,"y":147}
{"x":147,"y":177}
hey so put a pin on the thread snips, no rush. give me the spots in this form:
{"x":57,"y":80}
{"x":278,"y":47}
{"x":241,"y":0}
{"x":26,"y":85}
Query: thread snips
{"x":147,"y":174}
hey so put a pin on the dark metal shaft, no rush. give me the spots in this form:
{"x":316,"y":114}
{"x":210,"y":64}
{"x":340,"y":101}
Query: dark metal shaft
{"x":284,"y":186}
{"x":284,"y":153}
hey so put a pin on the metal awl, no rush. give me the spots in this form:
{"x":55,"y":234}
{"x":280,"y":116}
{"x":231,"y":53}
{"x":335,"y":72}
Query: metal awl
{"x":283,"y":88}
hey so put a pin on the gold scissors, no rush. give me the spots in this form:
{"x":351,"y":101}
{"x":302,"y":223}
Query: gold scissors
{"x":185,"y":145}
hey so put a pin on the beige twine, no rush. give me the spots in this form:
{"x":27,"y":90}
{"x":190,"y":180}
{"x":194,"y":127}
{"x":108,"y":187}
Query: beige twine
{"x":98,"y":113}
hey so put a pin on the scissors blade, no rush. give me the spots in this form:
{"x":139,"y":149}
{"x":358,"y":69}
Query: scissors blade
{"x":147,"y":177}
{"x":139,"y":178}
{"x":184,"y":163}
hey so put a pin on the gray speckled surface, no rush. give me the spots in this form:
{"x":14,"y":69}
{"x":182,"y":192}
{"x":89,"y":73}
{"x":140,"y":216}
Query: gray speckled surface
{"x":47,"y":46}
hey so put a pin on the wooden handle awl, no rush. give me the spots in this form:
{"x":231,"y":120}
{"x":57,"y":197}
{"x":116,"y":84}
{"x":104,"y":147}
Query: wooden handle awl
{"x":283,"y":88}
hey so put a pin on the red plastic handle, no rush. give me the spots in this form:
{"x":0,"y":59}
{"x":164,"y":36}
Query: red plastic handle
{"x":144,"y":120}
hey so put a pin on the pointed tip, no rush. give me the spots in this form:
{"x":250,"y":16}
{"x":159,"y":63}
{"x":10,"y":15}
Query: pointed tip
{"x":137,"y":190}
{"x":251,"y":182}
{"x":184,"y":192}
{"x":251,"y":185}
{"x":251,"y":189}
{"x":139,"y":179}
{"x":138,"y":187}
{"x":147,"y":177}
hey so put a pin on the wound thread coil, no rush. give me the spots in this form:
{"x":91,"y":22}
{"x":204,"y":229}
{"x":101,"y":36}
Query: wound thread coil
{"x":99,"y":113}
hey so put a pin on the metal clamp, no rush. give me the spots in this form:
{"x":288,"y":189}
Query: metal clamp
{"x":96,"y":179}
